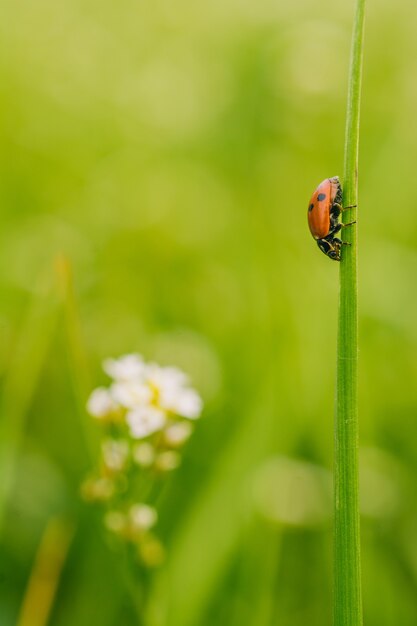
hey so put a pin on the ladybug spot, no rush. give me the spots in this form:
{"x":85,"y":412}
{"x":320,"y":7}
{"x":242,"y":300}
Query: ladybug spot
{"x":311,"y":207}
{"x":321,"y":196}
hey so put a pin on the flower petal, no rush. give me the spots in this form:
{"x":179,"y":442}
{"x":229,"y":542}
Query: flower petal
{"x":144,"y":421}
{"x":100,"y":403}
{"x":128,"y":367}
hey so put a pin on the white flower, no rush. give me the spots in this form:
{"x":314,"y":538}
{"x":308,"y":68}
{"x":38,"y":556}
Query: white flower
{"x":115,"y":453}
{"x":100,"y":404}
{"x":151,"y":551}
{"x":128,"y":367}
{"x":115,"y":521}
{"x":163,"y":377}
{"x":142,"y":516}
{"x":184,"y":402}
{"x":144,"y":454}
{"x":144,"y":421}
{"x":98,"y":489}
{"x":167,"y":461}
{"x":173,"y":394}
{"x":131,"y":394}
{"x":177,"y":433}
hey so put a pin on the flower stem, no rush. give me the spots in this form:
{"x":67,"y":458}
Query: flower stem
{"x":347,"y":573}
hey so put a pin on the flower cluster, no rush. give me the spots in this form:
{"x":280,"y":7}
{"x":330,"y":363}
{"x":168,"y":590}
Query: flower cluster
{"x":147,"y":414}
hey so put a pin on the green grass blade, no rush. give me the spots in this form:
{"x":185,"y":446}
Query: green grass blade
{"x":347,"y":594}
{"x":77,"y":354}
{"x":22,"y":377}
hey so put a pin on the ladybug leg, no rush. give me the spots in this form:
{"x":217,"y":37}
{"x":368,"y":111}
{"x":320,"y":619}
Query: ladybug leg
{"x":344,"y":208}
{"x":334,"y":218}
{"x":341,"y":243}
{"x":335,"y":225}
{"x":335,"y":212}
{"x":336,"y":209}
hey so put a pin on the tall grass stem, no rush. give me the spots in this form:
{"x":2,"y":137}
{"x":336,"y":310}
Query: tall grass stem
{"x":347,"y":569}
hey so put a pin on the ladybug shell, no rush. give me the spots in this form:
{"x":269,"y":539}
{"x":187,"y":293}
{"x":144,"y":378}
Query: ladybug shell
{"x":320,"y":205}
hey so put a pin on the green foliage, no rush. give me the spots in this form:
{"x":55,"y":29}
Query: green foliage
{"x":168,"y":150}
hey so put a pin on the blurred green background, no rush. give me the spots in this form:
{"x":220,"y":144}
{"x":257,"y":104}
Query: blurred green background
{"x":168,"y":150}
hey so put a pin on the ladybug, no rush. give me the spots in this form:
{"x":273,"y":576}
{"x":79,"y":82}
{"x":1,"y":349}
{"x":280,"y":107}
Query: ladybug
{"x":323,"y":214}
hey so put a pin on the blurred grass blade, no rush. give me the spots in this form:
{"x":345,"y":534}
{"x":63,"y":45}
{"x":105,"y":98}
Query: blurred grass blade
{"x":347,"y":594}
{"x":79,"y":368}
{"x":261,"y":547}
{"x":44,"y":578}
{"x":22,"y":377}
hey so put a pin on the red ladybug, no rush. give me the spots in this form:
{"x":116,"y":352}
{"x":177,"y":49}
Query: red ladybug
{"x":324,"y":209}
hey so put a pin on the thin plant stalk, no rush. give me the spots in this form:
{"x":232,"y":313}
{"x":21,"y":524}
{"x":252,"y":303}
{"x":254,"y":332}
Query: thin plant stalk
{"x":46,"y":572}
{"x":78,"y":361}
{"x":347,"y":569}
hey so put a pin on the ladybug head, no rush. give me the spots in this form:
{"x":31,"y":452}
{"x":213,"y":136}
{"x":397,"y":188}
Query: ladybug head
{"x":330,"y":248}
